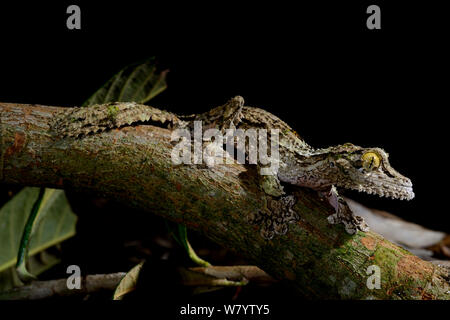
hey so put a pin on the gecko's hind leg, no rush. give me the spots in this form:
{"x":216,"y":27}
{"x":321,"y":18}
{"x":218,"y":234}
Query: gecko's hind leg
{"x":275,"y":217}
{"x":343,"y":214}
{"x":277,"y":212}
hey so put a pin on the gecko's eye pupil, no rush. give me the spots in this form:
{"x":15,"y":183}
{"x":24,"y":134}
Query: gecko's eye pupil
{"x":370,"y":160}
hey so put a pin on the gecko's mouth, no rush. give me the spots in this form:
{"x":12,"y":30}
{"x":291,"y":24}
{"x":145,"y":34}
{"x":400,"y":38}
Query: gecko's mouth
{"x":387,"y":190}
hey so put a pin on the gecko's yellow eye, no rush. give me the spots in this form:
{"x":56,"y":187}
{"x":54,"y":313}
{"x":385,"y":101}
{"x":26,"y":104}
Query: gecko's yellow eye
{"x":370,"y":160}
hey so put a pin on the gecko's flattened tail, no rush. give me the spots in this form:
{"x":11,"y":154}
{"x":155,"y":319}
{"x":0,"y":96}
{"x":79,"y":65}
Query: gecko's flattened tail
{"x":82,"y":121}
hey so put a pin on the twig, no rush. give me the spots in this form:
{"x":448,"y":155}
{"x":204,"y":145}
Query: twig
{"x":46,"y":289}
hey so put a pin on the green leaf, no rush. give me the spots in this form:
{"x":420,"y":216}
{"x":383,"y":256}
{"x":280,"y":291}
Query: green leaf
{"x":58,"y":225}
{"x":179,"y":233}
{"x":128,"y":283}
{"x":135,"y":83}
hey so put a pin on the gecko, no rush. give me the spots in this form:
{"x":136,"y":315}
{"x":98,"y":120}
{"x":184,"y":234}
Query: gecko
{"x":324,"y":170}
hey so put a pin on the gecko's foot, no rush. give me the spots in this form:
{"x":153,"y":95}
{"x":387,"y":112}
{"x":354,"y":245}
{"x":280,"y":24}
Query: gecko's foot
{"x":277,"y":217}
{"x":343,"y":214}
{"x":351,"y":222}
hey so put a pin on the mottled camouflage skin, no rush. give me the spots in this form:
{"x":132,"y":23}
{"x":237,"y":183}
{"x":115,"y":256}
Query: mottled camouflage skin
{"x":81,"y":121}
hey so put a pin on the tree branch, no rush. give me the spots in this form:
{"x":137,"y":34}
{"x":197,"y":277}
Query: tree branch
{"x":133,"y":165}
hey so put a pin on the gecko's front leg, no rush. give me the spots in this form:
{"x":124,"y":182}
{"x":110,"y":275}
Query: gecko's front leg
{"x":343,"y":214}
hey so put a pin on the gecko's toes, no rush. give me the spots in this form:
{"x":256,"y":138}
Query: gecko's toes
{"x":350,"y":229}
{"x":357,"y":223}
{"x":281,"y":228}
{"x":266,"y":234}
{"x":333,"y":219}
{"x":361,"y":224}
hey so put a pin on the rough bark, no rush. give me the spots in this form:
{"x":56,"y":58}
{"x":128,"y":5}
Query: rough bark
{"x":133,"y":165}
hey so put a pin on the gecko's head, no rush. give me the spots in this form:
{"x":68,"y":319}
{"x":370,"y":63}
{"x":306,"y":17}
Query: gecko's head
{"x":368,"y":170}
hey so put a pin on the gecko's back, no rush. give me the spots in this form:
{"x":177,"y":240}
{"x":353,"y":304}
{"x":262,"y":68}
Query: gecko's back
{"x":258,"y":118}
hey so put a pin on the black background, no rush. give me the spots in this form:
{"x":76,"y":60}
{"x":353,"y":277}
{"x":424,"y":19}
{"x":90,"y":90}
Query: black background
{"x":315,"y":65}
